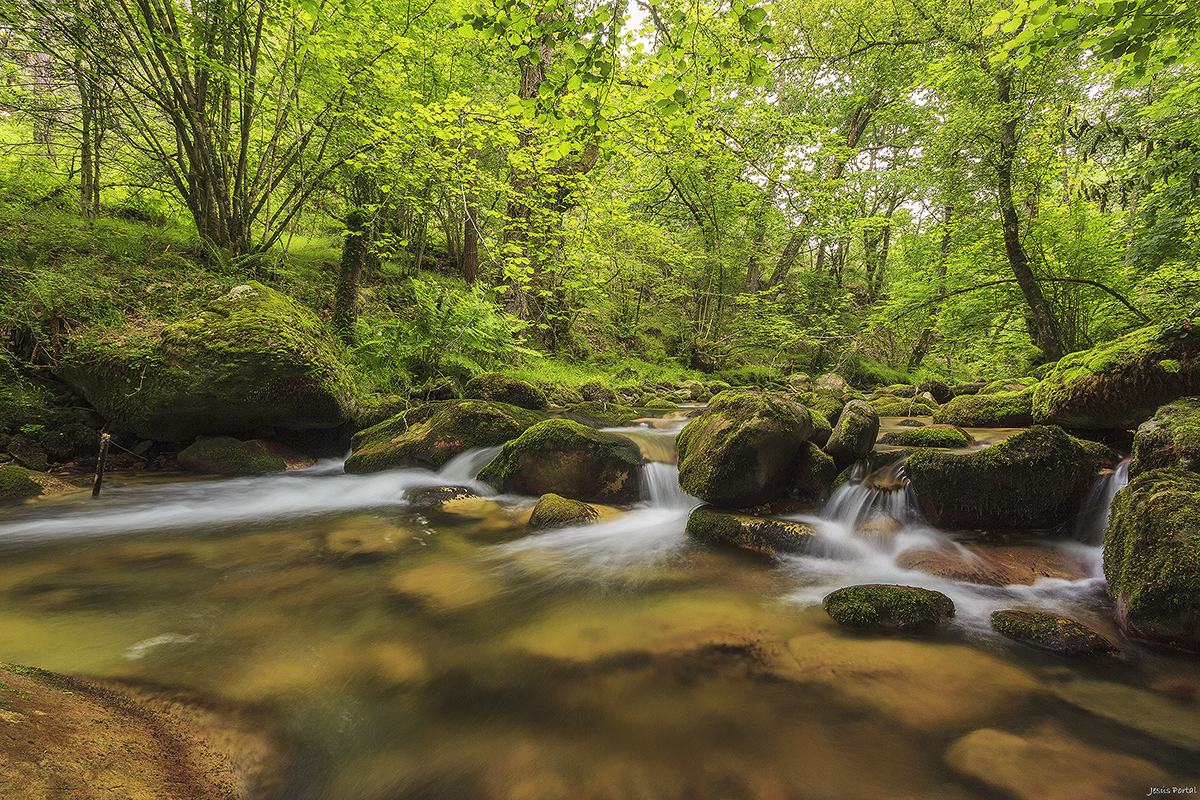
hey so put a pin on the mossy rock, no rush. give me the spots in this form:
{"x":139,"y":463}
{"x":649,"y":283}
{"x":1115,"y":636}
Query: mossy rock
{"x":997,"y":410}
{"x":814,"y":474}
{"x":1007,"y":385}
{"x":16,"y":483}
{"x":1171,"y":438}
{"x":596,"y":391}
{"x":799,"y":382}
{"x":742,"y":449}
{"x":556,"y":511}
{"x":562,"y":457}
{"x":224,"y":455}
{"x":658,"y":404}
{"x":1152,"y":558}
{"x":896,"y":390}
{"x":597,"y":414}
{"x":893,"y":406}
{"x":822,"y":428}
{"x":1049,"y":632}
{"x":252,"y":360}
{"x":884,"y":607}
{"x":930,"y":436}
{"x":437,"y":496}
{"x":501,"y":388}
{"x":828,"y":404}
{"x":1035,"y":479}
{"x":757,"y":534}
{"x":1120,"y":384}
{"x":428,"y":436}
{"x":854,"y":433}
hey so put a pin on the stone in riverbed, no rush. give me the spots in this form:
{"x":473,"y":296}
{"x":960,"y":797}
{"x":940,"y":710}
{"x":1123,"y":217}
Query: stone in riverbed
{"x":1004,"y":409}
{"x":501,"y":388}
{"x":1152,"y":558}
{"x":987,"y":565}
{"x":224,"y":455}
{"x":555,"y":511}
{"x":1048,"y":632}
{"x":758,"y":534}
{"x":884,"y":607}
{"x":18,"y":483}
{"x":1035,"y":479}
{"x":928,"y":436}
{"x":1170,"y":439}
{"x":854,"y":434}
{"x":742,"y":449}
{"x":565,"y":458}
{"x":430,"y":435}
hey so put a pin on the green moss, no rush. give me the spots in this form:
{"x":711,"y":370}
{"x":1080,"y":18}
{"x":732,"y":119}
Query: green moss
{"x":1035,"y":479}
{"x":934,"y":436}
{"x":997,"y":410}
{"x":224,"y":455}
{"x":597,"y":414}
{"x":430,"y":435}
{"x":15,"y":484}
{"x":1059,"y":634}
{"x":1120,"y":384}
{"x":556,"y":511}
{"x":598,"y":391}
{"x":815,"y":473}
{"x":1170,"y":439}
{"x":829,"y":404}
{"x":1152,"y":554}
{"x":758,"y":534}
{"x":822,"y":427}
{"x":658,"y":404}
{"x":504,"y":389}
{"x":875,"y":606}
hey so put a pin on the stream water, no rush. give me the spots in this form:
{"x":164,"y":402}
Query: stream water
{"x":417,"y":654}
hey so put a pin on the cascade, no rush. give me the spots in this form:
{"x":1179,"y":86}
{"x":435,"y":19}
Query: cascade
{"x":1093,"y":513}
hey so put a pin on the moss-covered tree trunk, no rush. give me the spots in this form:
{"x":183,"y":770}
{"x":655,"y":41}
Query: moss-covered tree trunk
{"x":354,"y":251}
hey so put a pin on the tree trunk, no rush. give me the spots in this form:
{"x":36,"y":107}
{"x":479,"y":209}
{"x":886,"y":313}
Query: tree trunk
{"x":918,"y":354}
{"x":354,"y":249}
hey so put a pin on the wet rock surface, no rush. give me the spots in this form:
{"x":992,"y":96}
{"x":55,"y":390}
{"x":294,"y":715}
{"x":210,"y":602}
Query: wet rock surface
{"x":996,"y":565}
{"x":758,"y":534}
{"x":854,"y":434}
{"x":1171,"y":438}
{"x":1049,"y":632}
{"x":224,"y":455}
{"x":884,"y":607}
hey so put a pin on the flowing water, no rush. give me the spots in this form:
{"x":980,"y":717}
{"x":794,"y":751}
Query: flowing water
{"x":418,"y":654}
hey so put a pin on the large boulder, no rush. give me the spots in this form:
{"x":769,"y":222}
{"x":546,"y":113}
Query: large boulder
{"x":742,"y":449}
{"x":1120,"y":384}
{"x":889,"y":405}
{"x":501,"y":388}
{"x":1170,"y":439}
{"x":563,"y":457}
{"x":758,"y":534}
{"x":928,"y":436}
{"x":1033,"y":480}
{"x":1003,"y":409}
{"x":428,"y":436}
{"x":1152,"y":557}
{"x":854,"y":434}
{"x":252,"y":360}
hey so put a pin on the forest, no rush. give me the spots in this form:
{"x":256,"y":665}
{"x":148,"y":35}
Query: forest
{"x":896,"y":191}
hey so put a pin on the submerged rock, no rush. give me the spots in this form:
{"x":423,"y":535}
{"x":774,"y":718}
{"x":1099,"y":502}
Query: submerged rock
{"x":742,"y":450}
{"x":1048,"y":632}
{"x":1007,"y":565}
{"x":1171,"y":438}
{"x":1152,"y":558}
{"x":1121,"y":383}
{"x":224,"y":455}
{"x":929,"y":436}
{"x":1003,"y":409}
{"x":430,"y":435}
{"x":1032,"y":480}
{"x":758,"y":534}
{"x":563,"y":457}
{"x":854,"y":434}
{"x":251,"y":360}
{"x":556,"y":511}
{"x":884,"y":607}
{"x":501,"y":388}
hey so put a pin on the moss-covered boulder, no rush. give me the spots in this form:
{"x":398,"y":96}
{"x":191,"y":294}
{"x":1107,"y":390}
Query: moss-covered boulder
{"x":1152,"y":557}
{"x":18,"y":483}
{"x":1002,"y":409}
{"x":883,"y":607}
{"x":1033,"y":480}
{"x":742,"y":449}
{"x":799,"y":382}
{"x":1122,"y":383}
{"x":929,"y":436}
{"x":854,"y":434}
{"x":895,"y":406}
{"x":1171,"y":438}
{"x":758,"y":534}
{"x":428,"y":436}
{"x":562,"y":457}
{"x":832,"y":382}
{"x":434,"y":497}
{"x":252,"y":360}
{"x":598,"y":392}
{"x":814,"y":474}
{"x":599,"y":414}
{"x":224,"y":455}
{"x":1049,"y":632}
{"x":658,"y":404}
{"x":822,"y":428}
{"x":556,"y":511}
{"x":501,"y":388}
{"x":828,"y":404}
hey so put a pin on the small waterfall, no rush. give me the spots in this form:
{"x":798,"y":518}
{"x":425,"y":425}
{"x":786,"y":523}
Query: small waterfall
{"x":882,"y":493}
{"x":466,"y":465}
{"x":661,"y":482}
{"x":1093,"y":514}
